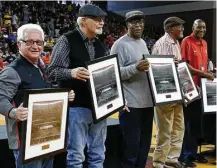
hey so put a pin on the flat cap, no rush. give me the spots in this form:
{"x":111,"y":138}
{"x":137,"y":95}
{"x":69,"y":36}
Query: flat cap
{"x":91,"y":10}
{"x":134,"y":15}
{"x":173,"y":21}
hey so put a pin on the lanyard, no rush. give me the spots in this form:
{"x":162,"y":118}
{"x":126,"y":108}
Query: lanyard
{"x":201,"y":52}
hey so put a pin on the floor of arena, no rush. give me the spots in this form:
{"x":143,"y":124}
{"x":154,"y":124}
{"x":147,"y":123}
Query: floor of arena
{"x":206,"y":149}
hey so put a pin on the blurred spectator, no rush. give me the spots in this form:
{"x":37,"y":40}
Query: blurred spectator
{"x":70,"y":8}
{"x":15,"y":21}
{"x":7,"y":18}
{"x":110,"y":40}
{"x":46,"y":58}
{"x":51,"y":28}
{"x":4,"y":57}
{"x":25,"y":15}
{"x":10,"y":57}
{"x":42,"y":54}
{"x":50,"y":42}
{"x":56,"y":19}
{"x":8,"y":28}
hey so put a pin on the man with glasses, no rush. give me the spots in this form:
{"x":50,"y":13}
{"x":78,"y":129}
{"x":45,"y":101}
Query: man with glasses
{"x":136,"y":125}
{"x":67,"y":67}
{"x":25,"y":72}
{"x":169,"y":118}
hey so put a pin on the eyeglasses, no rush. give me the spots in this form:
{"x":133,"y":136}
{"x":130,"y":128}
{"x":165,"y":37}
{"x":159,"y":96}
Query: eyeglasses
{"x":140,"y":22}
{"x":31,"y":42}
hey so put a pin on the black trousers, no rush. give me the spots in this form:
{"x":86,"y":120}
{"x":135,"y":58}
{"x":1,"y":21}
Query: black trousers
{"x":193,"y":129}
{"x":136,"y":127}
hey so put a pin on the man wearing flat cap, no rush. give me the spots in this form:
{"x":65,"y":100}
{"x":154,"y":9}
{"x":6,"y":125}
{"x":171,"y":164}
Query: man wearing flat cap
{"x":169,"y":118}
{"x":136,"y":125}
{"x":67,"y":67}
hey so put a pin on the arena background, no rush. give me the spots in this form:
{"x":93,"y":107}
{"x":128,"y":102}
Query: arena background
{"x":156,"y":12}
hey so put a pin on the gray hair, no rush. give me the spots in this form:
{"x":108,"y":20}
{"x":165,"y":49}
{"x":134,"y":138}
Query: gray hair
{"x":79,"y":21}
{"x":21,"y":30}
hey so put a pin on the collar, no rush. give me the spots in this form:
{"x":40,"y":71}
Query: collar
{"x":40,"y":62}
{"x":84,"y":37}
{"x":169,"y":39}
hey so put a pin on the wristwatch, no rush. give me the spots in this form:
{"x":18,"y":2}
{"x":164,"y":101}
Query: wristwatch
{"x":13,"y":113}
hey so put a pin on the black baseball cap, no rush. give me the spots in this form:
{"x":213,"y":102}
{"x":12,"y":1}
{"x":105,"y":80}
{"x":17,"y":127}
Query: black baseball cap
{"x":91,"y":10}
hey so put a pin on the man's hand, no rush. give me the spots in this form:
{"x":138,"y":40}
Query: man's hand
{"x":125,"y":107}
{"x":199,"y":90}
{"x":209,"y":75}
{"x":186,"y":100}
{"x":143,"y":65}
{"x":21,"y":113}
{"x":176,"y":61}
{"x":71,"y":95}
{"x":80,"y":73}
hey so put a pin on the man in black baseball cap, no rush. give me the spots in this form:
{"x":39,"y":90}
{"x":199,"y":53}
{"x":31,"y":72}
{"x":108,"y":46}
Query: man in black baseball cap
{"x":91,"y":20}
{"x":67,"y":66}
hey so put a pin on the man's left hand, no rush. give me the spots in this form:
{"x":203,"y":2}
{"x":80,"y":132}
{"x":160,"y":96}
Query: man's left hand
{"x":176,"y":61}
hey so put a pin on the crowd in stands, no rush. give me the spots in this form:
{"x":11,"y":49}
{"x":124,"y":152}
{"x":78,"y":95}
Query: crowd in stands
{"x":55,"y":19}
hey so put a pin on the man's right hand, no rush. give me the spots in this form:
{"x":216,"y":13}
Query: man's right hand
{"x":80,"y":73}
{"x":21,"y":113}
{"x":143,"y":65}
{"x":209,"y":75}
{"x":176,"y":61}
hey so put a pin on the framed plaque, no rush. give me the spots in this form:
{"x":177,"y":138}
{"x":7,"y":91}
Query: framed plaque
{"x":163,"y":79}
{"x":44,"y":132}
{"x":188,"y":87}
{"x":208,"y":90}
{"x":105,"y":86}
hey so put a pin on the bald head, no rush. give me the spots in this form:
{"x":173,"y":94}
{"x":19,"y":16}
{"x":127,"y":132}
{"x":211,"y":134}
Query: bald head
{"x":199,"y":28}
{"x":196,"y":22}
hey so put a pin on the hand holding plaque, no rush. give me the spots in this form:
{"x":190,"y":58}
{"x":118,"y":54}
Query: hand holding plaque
{"x":163,"y":79}
{"x":188,"y":87}
{"x":80,"y":73}
{"x":19,"y":113}
{"x":142,"y":65}
{"x":44,"y":132}
{"x":105,"y":86}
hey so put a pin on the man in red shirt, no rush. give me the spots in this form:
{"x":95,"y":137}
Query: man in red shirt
{"x":194,"y":52}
